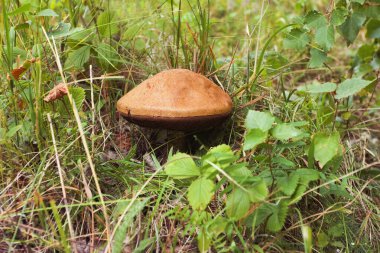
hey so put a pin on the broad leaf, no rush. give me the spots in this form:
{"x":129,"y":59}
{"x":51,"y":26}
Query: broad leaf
{"x":77,"y":58}
{"x":373,"y":29}
{"x":285,"y":132}
{"x":288,"y":183}
{"x":317,"y":58}
{"x":200,"y":193}
{"x":254,"y":138}
{"x":23,"y":8}
{"x":259,"y":120}
{"x":47,"y":13}
{"x":107,"y":25}
{"x":181,"y":166}
{"x":326,"y":147}
{"x":338,"y":16}
{"x":325,"y":37}
{"x":296,"y":39}
{"x":107,"y":56}
{"x":350,"y":28}
{"x":277,"y":220}
{"x":258,"y":191}
{"x":317,"y":87}
{"x":350,"y":86}
{"x":237,"y":204}
{"x":315,"y":19}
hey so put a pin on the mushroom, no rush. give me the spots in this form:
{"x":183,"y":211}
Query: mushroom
{"x":176,"y":99}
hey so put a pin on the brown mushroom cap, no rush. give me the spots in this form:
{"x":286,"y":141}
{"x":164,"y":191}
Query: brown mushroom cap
{"x":176,"y":99}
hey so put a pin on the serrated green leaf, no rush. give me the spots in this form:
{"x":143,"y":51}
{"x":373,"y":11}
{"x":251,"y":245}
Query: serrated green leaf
{"x":351,"y":26}
{"x":78,"y":94}
{"x":325,"y":37}
{"x":285,"y":132}
{"x":315,"y":19}
{"x":237,"y":204}
{"x":277,"y":219}
{"x":288,"y":183}
{"x":317,"y":58}
{"x":108,"y":57}
{"x":181,"y":166}
{"x":338,"y":16}
{"x":317,"y":87}
{"x":258,"y":191}
{"x":121,"y":232}
{"x":200,"y":193}
{"x":254,"y":138}
{"x":350,"y":86}
{"x":296,"y":39}
{"x":307,"y":175}
{"x":259,"y":120}
{"x":326,"y":147}
{"x":47,"y":13}
{"x":107,"y":25}
{"x":77,"y":58}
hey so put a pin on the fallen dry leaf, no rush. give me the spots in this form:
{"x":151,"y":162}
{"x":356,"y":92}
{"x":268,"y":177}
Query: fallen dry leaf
{"x":57,"y":92}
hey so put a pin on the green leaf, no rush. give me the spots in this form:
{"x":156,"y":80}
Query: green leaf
{"x":350,"y":28}
{"x":366,"y":51}
{"x":317,"y":87}
{"x":143,"y":245}
{"x":288,"y":183}
{"x":277,"y":220}
{"x":222,"y":156}
{"x":23,"y":8}
{"x":108,"y":57}
{"x":315,"y":19}
{"x":325,"y":37}
{"x":204,"y":240}
{"x":47,"y":13}
{"x":121,"y":231}
{"x":358,"y":1}
{"x":60,"y":30}
{"x":307,"y":175}
{"x":254,"y":138}
{"x":317,"y":58}
{"x":296,"y":39}
{"x":77,"y":58}
{"x":326,"y":147}
{"x":237,"y":204}
{"x":338,"y":16}
{"x":370,"y":11}
{"x":285,"y":132}
{"x":259,"y":120}
{"x":200,"y":193}
{"x":350,"y":86}
{"x":78,"y":94}
{"x":258,"y":191}
{"x":13,"y":130}
{"x":322,"y":240}
{"x":181,"y":166}
{"x":373,"y":29}
{"x":307,"y":236}
{"x":107,"y":25}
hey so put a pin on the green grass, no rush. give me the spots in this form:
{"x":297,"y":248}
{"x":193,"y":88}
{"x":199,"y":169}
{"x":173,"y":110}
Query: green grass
{"x":75,"y":175}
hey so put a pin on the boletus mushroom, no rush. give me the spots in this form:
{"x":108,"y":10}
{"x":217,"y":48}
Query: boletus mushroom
{"x":176,"y":99}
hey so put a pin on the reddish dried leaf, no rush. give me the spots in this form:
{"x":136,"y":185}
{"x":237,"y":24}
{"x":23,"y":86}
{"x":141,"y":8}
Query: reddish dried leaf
{"x":57,"y":92}
{"x":16,"y":73}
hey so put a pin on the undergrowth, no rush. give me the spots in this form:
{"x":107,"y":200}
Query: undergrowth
{"x":295,"y":168}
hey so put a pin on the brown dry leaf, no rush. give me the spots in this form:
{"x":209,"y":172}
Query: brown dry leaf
{"x":57,"y":92}
{"x":16,"y":73}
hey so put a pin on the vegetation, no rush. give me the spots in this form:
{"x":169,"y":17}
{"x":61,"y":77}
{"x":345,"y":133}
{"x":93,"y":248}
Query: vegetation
{"x":296,"y":168}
